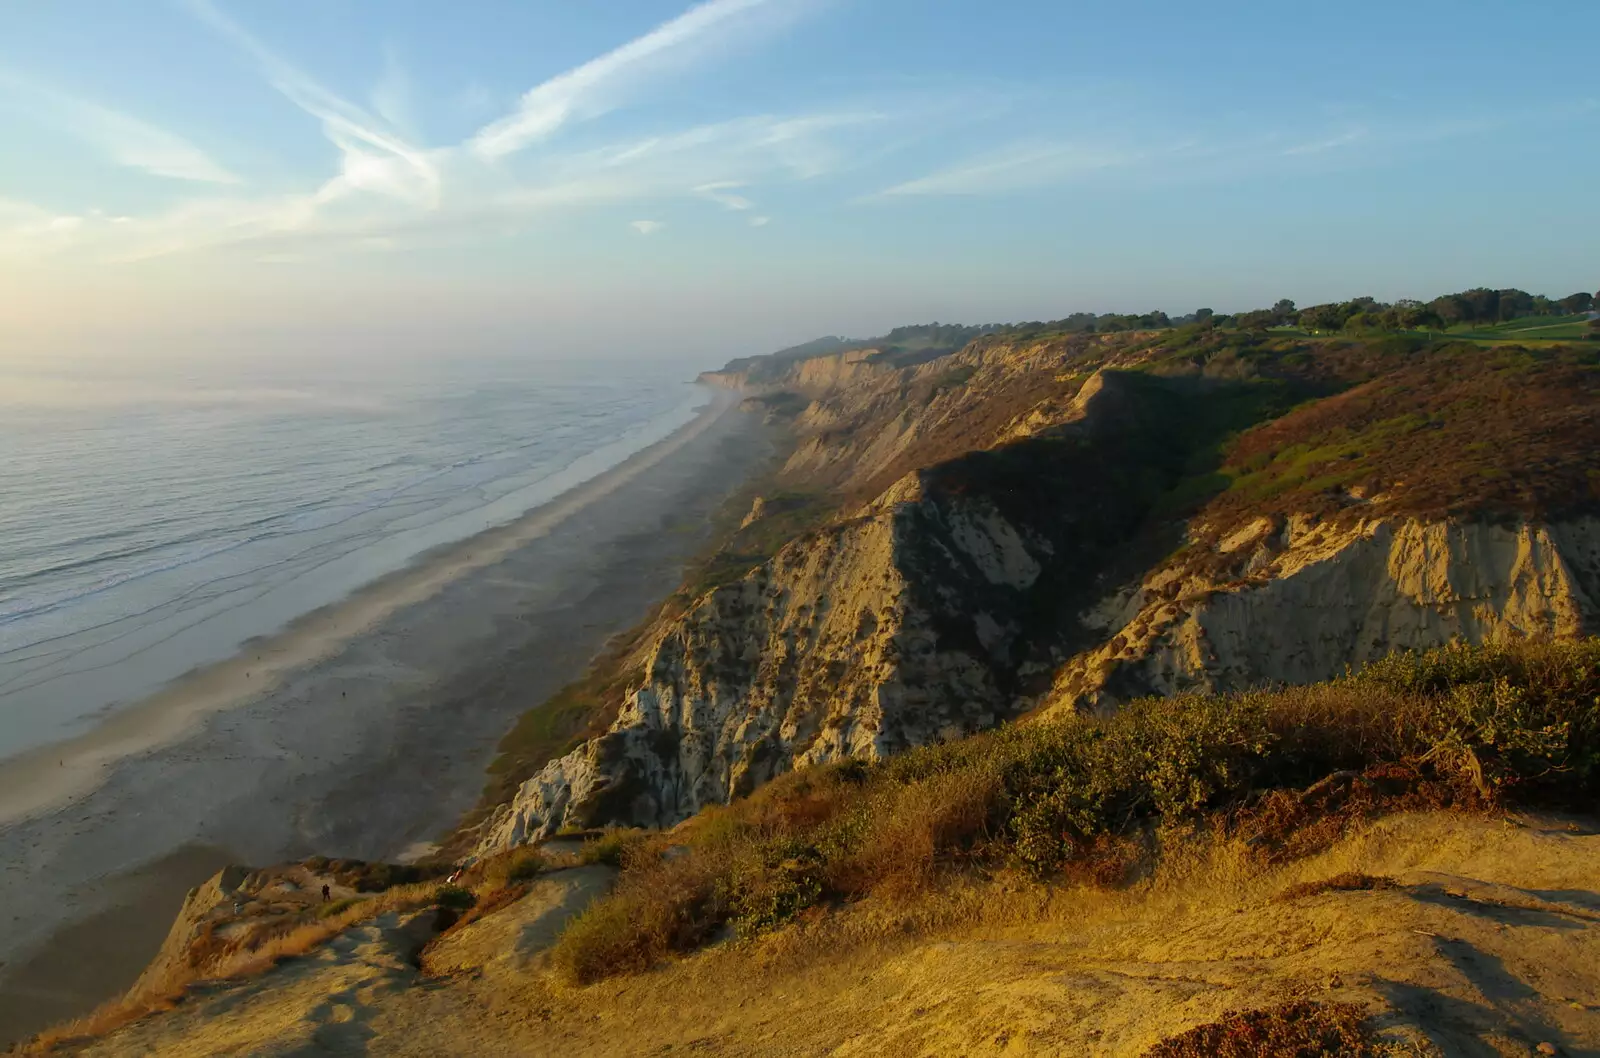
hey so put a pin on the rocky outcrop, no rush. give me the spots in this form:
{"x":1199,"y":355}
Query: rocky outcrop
{"x":889,"y":630}
{"x":1297,"y":600}
{"x":193,"y":918}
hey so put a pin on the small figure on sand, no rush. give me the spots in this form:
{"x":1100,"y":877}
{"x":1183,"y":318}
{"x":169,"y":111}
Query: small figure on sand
{"x":326,"y":895}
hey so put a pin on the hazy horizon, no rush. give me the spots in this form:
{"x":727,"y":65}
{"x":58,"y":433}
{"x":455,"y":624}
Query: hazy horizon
{"x":216,"y":179}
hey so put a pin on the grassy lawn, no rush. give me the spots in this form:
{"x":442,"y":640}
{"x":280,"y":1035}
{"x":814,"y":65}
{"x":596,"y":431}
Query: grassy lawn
{"x":1549,"y":328}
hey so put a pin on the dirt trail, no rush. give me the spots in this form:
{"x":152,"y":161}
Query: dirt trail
{"x":1487,"y":944}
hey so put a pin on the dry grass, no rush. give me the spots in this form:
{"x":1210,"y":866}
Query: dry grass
{"x":1348,"y":881}
{"x":1302,"y":1029}
{"x":1283,"y":774}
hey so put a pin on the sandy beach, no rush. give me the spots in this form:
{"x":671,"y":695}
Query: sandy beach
{"x":361,"y":730}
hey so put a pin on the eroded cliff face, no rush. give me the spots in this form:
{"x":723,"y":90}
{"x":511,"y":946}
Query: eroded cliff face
{"x":1298,"y":600}
{"x":996,"y":498}
{"x":890,"y":630}
{"x":913,"y":618}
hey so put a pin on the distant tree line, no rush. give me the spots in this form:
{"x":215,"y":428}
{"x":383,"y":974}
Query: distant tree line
{"x":1479,"y":306}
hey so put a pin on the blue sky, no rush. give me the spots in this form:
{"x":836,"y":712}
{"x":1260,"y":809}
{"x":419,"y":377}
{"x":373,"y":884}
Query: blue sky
{"x":634,"y":175}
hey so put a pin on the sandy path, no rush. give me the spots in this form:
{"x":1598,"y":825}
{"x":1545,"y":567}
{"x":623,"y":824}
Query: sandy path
{"x":362,"y":729}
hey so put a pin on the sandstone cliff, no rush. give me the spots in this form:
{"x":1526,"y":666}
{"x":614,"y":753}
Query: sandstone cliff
{"x":1071,"y":522}
{"x":857,"y":641}
{"x":1298,"y":600}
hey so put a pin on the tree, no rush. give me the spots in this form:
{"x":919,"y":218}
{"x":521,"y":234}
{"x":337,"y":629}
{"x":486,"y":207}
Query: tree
{"x":1512,"y":304}
{"x":1482,"y":303}
{"x":1452,"y":309}
{"x":1413,"y":316}
{"x":1328,"y":317}
{"x":1283,"y":312}
{"x":1575,"y":303}
{"x":1259,"y":320}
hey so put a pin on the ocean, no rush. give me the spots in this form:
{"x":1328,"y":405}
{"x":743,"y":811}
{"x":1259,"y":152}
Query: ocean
{"x":155,"y":520}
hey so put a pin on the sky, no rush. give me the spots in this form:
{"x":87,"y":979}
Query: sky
{"x":656,"y":177}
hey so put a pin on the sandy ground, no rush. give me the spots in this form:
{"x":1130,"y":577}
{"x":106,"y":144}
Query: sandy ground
{"x":1487,"y":945}
{"x":360,"y":731}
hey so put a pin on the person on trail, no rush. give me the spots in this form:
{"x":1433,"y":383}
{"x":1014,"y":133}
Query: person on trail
{"x":326,"y":896}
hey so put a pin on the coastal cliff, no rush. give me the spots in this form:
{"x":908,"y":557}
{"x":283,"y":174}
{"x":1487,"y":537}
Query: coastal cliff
{"x":1303,"y":600}
{"x":1095,"y":538}
{"x":1071,"y":524}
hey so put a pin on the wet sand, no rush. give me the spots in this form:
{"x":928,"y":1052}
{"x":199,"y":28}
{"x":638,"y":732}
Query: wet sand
{"x":362,"y":730}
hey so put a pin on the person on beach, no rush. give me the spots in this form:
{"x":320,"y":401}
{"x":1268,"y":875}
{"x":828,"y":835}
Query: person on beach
{"x":326,"y":896}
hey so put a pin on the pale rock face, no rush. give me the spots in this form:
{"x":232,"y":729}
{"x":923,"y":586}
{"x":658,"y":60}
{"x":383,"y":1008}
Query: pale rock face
{"x":839,"y":647}
{"x":1309,"y":600}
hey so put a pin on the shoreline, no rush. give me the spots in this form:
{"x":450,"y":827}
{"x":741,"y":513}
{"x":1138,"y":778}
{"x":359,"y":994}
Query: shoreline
{"x":30,"y":785}
{"x":362,"y":729}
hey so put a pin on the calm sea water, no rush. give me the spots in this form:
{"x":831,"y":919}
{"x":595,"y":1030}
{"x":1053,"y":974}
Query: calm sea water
{"x":152,"y":521}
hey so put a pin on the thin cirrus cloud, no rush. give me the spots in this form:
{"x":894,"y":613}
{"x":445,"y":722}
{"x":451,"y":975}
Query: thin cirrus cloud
{"x":598,"y":85}
{"x":120,"y":137}
{"x":391,"y":96}
{"x":1017,"y":169}
{"x":647,"y":227}
{"x":389,"y":185}
{"x":374,"y":156}
{"x":1328,"y":143}
{"x":723,"y":194}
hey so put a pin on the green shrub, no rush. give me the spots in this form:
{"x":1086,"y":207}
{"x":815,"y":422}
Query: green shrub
{"x":611,"y":848}
{"x":524,"y":863}
{"x":675,"y":906}
{"x":454,"y":897}
{"x":774,"y":882}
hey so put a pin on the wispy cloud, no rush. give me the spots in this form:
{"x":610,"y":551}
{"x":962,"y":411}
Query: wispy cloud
{"x":1329,"y":143}
{"x":375,"y":156}
{"x":391,"y":96}
{"x":722,"y":194}
{"x":391,"y":191}
{"x":1019,"y":168}
{"x":760,"y":222}
{"x":647,"y":227}
{"x":122,"y":138}
{"x":598,"y":85}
